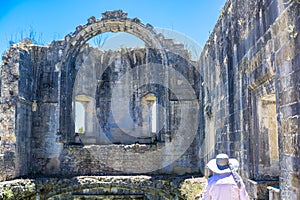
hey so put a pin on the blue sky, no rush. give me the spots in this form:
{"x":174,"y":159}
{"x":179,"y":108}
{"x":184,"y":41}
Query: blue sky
{"x":53,"y":19}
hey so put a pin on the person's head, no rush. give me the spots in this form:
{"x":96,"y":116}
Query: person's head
{"x":220,"y":165}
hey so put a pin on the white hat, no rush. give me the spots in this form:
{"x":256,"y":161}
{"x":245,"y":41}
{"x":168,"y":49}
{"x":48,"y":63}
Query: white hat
{"x":220,"y":165}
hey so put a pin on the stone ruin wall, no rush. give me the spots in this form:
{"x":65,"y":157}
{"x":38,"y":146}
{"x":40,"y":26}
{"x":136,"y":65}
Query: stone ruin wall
{"x":110,"y":187}
{"x":100,"y":73}
{"x":28,"y":128}
{"x":250,"y":70}
{"x":250,"y":66}
{"x":31,"y":104}
{"x":118,"y":154}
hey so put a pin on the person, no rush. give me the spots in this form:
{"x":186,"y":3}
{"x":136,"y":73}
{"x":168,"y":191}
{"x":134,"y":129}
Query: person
{"x":225,"y":184}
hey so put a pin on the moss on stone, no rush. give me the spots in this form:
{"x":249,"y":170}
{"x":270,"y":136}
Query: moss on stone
{"x":193,"y":188}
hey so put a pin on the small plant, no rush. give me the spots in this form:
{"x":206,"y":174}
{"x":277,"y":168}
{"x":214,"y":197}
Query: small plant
{"x":8,"y":194}
{"x":292,"y":31}
{"x":122,"y":47}
{"x":81,"y":130}
{"x":240,"y":22}
{"x":29,"y":36}
{"x":222,"y":12}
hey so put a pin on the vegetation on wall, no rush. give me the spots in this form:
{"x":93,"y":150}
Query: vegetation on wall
{"x":8,"y":194}
{"x":28,"y":36}
{"x":292,"y":30}
{"x":192,"y":189}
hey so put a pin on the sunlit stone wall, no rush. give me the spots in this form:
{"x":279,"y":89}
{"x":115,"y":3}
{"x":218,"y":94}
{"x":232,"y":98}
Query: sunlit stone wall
{"x":250,"y":66}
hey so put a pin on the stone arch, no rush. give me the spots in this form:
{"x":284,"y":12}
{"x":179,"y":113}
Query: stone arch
{"x":111,"y":21}
{"x":80,"y":187}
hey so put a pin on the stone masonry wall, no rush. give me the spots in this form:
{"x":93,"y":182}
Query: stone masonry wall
{"x":247,"y":83}
{"x":29,"y":115}
{"x":97,"y":156}
{"x":123,"y":159}
{"x":99,"y":187}
{"x":16,"y":90}
{"x":40,"y":149}
{"x":250,"y":60}
{"x":98,"y":76}
{"x":46,"y":144}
